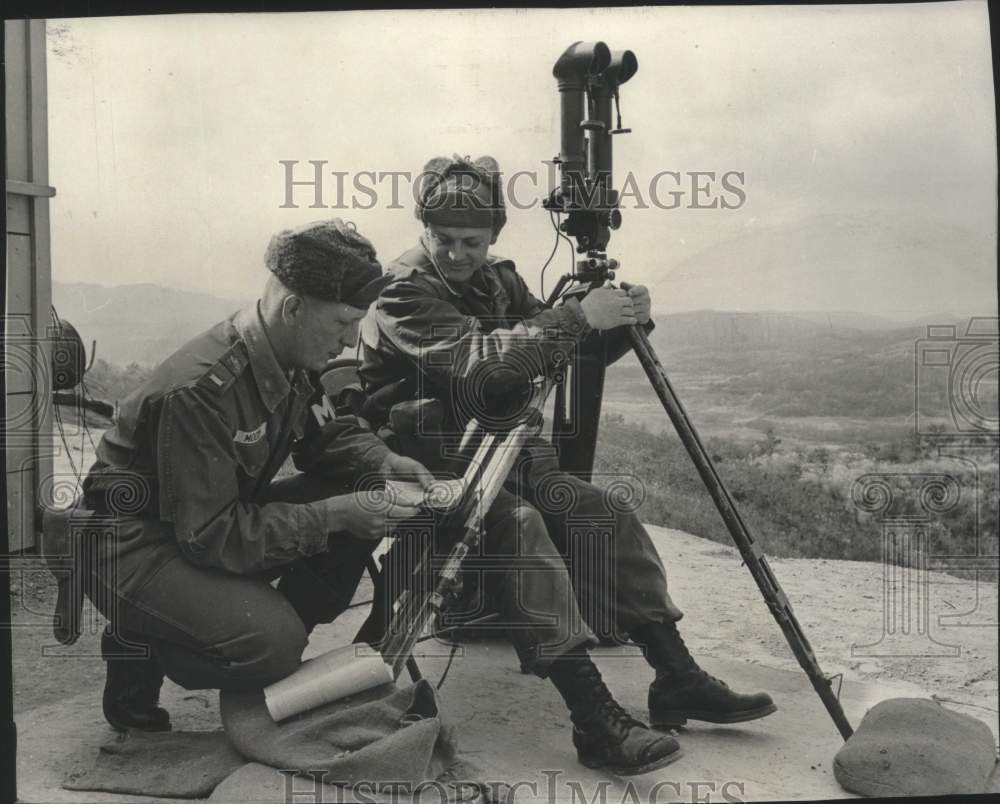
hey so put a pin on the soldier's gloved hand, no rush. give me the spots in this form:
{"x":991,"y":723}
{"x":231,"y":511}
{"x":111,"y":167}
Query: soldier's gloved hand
{"x":607,"y":308}
{"x":364,"y":514}
{"x":641,"y":302}
{"x":399,"y":467}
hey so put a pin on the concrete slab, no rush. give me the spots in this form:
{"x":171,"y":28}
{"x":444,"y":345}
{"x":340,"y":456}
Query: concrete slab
{"x":515,"y":728}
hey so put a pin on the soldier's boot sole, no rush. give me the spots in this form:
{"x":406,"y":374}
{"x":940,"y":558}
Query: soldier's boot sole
{"x":672,"y":718}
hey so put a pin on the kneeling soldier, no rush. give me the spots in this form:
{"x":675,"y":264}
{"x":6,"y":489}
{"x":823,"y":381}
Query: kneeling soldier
{"x":187,"y":582}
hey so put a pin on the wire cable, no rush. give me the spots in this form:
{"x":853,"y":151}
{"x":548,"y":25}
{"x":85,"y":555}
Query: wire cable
{"x":58,"y":414}
{"x":552,"y":219}
{"x":83,"y":414}
{"x":572,"y":251}
{"x":447,"y":667}
{"x":62,"y":437}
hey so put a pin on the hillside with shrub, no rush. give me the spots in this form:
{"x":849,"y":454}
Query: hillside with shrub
{"x":799,"y":503}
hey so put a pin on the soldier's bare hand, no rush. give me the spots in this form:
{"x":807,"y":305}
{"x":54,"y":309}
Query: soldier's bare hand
{"x":399,"y":467}
{"x":607,"y":308}
{"x":366,"y":514}
{"x":641,"y":301}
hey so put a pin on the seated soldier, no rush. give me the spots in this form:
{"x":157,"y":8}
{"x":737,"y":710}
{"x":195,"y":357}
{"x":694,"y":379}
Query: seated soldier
{"x":455,"y":316}
{"x":201,"y":527}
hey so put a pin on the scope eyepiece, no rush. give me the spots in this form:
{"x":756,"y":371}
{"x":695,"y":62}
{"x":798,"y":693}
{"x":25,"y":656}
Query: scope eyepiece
{"x":580,"y":61}
{"x":622,"y":66}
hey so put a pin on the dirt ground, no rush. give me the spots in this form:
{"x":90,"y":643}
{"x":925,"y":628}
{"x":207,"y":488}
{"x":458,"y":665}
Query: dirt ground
{"x":838,"y":603}
{"x":514,"y":726}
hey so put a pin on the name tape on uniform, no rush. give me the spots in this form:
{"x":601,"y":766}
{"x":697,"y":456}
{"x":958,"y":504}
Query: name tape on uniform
{"x":252,"y":436}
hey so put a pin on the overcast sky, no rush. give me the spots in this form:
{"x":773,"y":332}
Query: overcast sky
{"x":166,"y":133}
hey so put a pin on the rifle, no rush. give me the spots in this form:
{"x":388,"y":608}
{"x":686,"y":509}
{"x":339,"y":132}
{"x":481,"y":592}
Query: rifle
{"x":489,"y":467}
{"x":589,"y":76}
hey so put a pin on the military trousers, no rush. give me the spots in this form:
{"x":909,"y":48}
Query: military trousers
{"x":565,"y":563}
{"x":211,"y":629}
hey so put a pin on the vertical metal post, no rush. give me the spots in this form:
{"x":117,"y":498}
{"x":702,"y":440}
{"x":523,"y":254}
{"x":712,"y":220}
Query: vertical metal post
{"x":8,"y":729}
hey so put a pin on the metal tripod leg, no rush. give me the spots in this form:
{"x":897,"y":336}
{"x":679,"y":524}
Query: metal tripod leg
{"x":578,"y":412}
{"x":754,"y":559}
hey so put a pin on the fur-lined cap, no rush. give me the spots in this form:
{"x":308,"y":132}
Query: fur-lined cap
{"x":461,"y":192}
{"x":327,"y":260}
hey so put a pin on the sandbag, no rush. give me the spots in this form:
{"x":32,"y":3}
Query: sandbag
{"x":916,"y":747}
{"x":383,"y":735}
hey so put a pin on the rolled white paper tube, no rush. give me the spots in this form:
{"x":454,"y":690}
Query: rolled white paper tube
{"x":333,"y":675}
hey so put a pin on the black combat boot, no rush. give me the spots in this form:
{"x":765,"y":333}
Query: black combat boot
{"x":132,"y":688}
{"x":605,"y":735}
{"x":683,"y":691}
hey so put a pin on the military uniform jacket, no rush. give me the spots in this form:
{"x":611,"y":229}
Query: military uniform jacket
{"x":192,"y":449}
{"x":422,"y":339}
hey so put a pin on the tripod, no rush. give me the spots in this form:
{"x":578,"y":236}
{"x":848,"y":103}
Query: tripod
{"x":589,"y":76}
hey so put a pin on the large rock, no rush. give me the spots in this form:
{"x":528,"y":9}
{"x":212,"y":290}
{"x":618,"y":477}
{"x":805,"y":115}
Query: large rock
{"x":916,"y":747}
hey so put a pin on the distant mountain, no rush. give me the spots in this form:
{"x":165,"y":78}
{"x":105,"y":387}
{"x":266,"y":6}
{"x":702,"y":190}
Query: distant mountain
{"x":144,"y":323}
{"x":873,"y":263}
{"x":140,"y":323}
{"x":735,"y":329}
{"x":778,"y":364}
{"x":739,"y":331}
{"x":856,"y":321}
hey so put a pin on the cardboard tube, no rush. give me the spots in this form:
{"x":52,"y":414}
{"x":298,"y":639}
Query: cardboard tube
{"x":333,"y":675}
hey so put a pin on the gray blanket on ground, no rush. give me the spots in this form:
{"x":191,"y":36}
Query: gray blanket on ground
{"x":172,"y":764}
{"x":385,"y":738}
